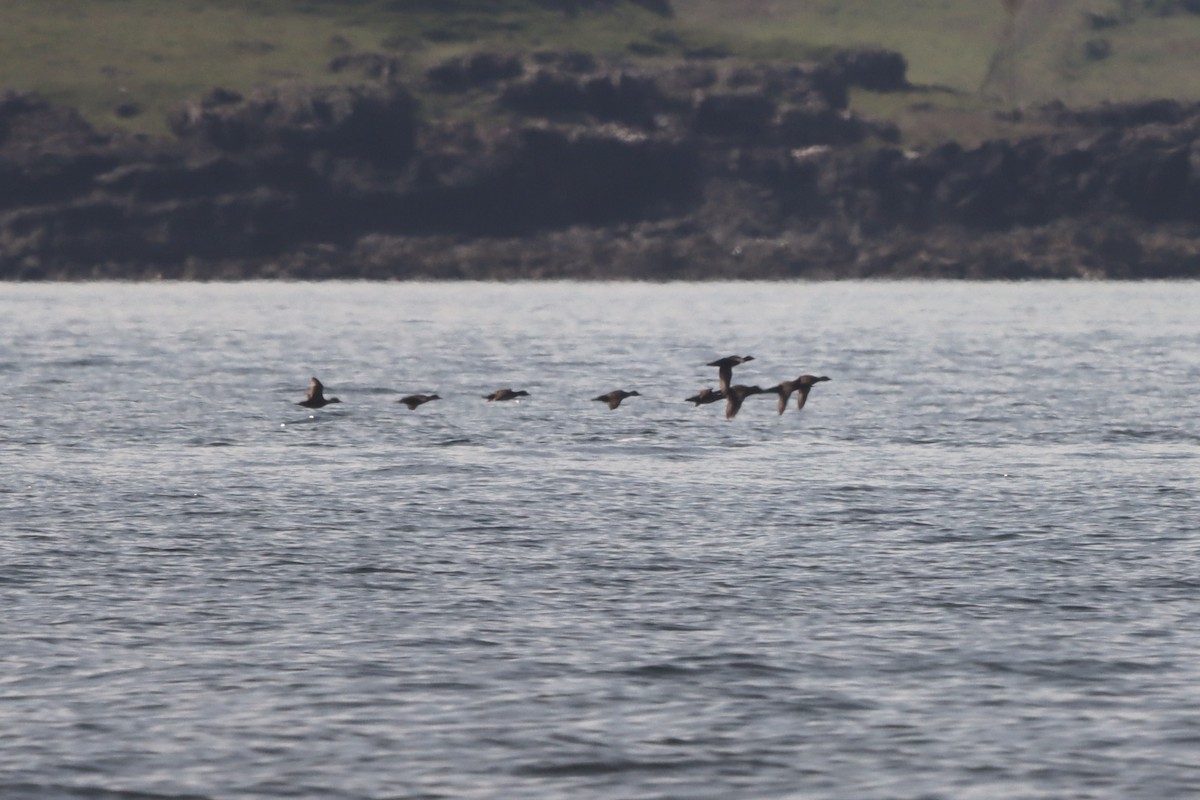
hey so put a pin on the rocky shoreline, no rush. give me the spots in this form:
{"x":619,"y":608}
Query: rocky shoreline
{"x":587,"y":169}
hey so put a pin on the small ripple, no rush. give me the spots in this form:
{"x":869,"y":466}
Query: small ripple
{"x":656,"y":625}
{"x":41,"y":791}
{"x":655,"y":670}
{"x":740,"y":664}
{"x":369,"y":389}
{"x":828,"y":703}
{"x":584,"y":768}
{"x":369,"y":569}
{"x":312,"y":419}
{"x":1073,"y":669}
{"x":86,"y":361}
{"x":1165,"y":435}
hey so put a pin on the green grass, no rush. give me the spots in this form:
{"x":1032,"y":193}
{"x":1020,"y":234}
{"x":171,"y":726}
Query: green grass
{"x":947,"y":42}
{"x":1153,"y":57}
{"x":98,"y":54}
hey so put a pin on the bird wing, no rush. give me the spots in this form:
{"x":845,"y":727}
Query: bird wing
{"x":733,"y":404}
{"x":724,"y":376}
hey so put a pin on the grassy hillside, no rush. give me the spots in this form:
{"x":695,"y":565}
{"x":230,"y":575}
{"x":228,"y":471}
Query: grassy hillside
{"x":99,"y":54}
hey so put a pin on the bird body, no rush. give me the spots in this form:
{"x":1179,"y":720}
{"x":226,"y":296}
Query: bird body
{"x":705,"y":396}
{"x":316,"y":396}
{"x":734,"y":397}
{"x":414,"y":400}
{"x":725,"y":368}
{"x":802,"y":385}
{"x":615,"y":397}
{"x":729,"y":361}
{"x":505,"y":394}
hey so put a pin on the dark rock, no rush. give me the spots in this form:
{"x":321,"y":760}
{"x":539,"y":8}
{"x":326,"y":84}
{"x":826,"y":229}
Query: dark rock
{"x":1129,"y":115}
{"x":369,"y":65}
{"x":661,"y":7}
{"x":690,"y":76}
{"x":378,"y":125}
{"x":1153,"y":180}
{"x":574,"y":61}
{"x":1097,"y":49}
{"x":162,"y":181}
{"x":831,"y":84}
{"x":485,"y":68}
{"x":29,"y":120}
{"x":875,"y":70}
{"x":572,"y":7}
{"x":707,"y":52}
{"x":817,"y":123}
{"x":474,"y":71}
{"x":1099,"y":22}
{"x":746,"y":116}
{"x":220,"y":97}
{"x":545,"y":94}
{"x":666,"y":38}
{"x":795,"y":83}
{"x":628,"y":97}
{"x":51,"y":177}
{"x":647,"y":49}
{"x":547,"y":177}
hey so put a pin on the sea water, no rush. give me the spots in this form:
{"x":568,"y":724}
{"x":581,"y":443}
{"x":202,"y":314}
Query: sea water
{"x":969,"y":568}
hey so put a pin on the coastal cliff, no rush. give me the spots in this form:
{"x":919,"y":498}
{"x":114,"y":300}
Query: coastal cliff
{"x":590,"y":168}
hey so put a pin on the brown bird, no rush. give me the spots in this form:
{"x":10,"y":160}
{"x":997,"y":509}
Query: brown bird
{"x":705,"y":396}
{"x":803,"y":385}
{"x":414,"y":400}
{"x":505,"y":394}
{"x":734,"y":397}
{"x":316,"y":396}
{"x":615,"y":397}
{"x":725,"y":368}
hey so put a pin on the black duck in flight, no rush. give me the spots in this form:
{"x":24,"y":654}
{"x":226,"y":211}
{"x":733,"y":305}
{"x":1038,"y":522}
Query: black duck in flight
{"x":803,"y":385}
{"x":725,"y":368}
{"x":414,"y":400}
{"x":505,"y":394}
{"x":316,"y":396}
{"x":705,"y":396}
{"x":734,"y":397}
{"x":615,"y":397}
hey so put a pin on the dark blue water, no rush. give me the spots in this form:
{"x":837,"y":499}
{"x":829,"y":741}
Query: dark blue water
{"x":970,"y":568}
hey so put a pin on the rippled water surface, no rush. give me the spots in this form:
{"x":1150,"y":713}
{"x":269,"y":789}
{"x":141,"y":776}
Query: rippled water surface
{"x":970,"y":568}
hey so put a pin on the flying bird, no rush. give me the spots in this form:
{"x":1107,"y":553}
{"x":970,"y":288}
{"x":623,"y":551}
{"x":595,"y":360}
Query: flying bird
{"x":705,"y":396}
{"x":414,"y":400}
{"x":803,"y":385}
{"x":316,"y":396}
{"x":734,"y":397}
{"x":615,"y":397}
{"x":505,"y":394}
{"x":725,"y":368}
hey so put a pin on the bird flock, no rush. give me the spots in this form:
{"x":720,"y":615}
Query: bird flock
{"x":733,"y":394}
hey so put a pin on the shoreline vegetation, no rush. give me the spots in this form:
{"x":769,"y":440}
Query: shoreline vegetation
{"x":460,"y":151}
